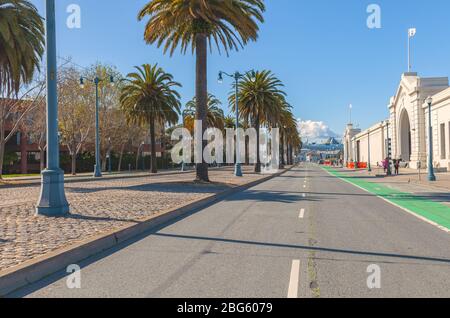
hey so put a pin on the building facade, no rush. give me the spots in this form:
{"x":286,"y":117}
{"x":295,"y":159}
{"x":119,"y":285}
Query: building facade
{"x":348,"y":141}
{"x":407,"y":125}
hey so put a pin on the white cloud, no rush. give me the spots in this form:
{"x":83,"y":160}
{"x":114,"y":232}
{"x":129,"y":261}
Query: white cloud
{"x":315,"y":130}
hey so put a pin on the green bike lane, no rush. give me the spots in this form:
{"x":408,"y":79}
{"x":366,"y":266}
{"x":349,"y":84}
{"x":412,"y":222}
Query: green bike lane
{"x":426,"y":209}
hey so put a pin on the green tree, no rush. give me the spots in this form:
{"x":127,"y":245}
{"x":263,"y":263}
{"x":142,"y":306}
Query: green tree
{"x":198,"y":23}
{"x":149,"y":97}
{"x":215,"y":116}
{"x":260,"y":101}
{"x":21,"y":44}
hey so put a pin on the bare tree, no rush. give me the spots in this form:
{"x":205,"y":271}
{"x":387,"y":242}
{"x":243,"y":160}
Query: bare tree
{"x":36,"y":126}
{"x":14,"y":108}
{"x":76,"y":113}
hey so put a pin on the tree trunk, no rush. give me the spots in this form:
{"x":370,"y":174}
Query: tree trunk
{"x":74,"y":163}
{"x":137,"y":158}
{"x":258,"y":161}
{"x":247,"y":154}
{"x":42,"y":159}
{"x":291,"y":155}
{"x":281,"y":150}
{"x":201,"y":93}
{"x":104,"y":161}
{"x":119,"y":167}
{"x":2,"y":155}
{"x":153,"y":164}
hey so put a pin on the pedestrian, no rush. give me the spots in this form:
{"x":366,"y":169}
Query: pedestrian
{"x":397,"y":166}
{"x":385,"y":163}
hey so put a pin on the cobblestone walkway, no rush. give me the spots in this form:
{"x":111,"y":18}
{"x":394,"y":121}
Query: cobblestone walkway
{"x":96,"y":207}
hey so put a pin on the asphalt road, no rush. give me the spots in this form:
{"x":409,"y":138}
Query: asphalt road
{"x":304,"y":234}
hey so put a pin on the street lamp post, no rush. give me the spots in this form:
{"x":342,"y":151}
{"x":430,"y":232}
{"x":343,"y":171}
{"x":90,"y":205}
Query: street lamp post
{"x":368,"y":150}
{"x":236,"y":76}
{"x":431,"y":176}
{"x":52,"y":200}
{"x":389,"y":171}
{"x":96,"y":81}
{"x":109,"y":156}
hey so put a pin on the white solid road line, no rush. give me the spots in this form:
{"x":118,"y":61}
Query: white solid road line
{"x":293,"y":281}
{"x":302,"y":214}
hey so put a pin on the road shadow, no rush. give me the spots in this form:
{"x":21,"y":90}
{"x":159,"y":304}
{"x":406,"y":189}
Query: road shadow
{"x":265,"y":196}
{"x":308,"y":248}
{"x":98,"y":218}
{"x":171,"y":187}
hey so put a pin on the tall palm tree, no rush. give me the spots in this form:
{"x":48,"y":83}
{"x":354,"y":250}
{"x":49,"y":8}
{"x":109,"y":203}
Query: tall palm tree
{"x":260,"y":97}
{"x":288,"y":128}
{"x":149,"y":97}
{"x":21,"y":44}
{"x":229,"y":24}
{"x":215,"y":116}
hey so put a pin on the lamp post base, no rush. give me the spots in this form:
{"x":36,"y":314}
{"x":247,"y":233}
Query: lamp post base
{"x":431,"y":177}
{"x":238,"y":170}
{"x":52,"y":200}
{"x":97,"y":172}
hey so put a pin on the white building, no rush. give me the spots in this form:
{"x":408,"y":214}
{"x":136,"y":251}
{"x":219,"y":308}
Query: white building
{"x":408,"y":126}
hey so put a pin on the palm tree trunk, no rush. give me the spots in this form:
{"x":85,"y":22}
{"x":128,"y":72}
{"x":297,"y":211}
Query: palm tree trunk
{"x":281,"y":150}
{"x":291,"y":155}
{"x":153,"y":164}
{"x":247,"y":154}
{"x":201,"y":93}
{"x":258,"y":161}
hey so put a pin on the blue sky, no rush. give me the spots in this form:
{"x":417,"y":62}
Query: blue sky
{"x":321,"y":49}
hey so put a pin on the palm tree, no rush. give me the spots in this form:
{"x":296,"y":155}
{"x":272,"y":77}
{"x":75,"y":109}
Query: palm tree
{"x":260,"y":97}
{"x":149,"y":97}
{"x":229,"y":122}
{"x":199,"y":23}
{"x":21,"y":44}
{"x":214,"y":116}
{"x":288,"y":129}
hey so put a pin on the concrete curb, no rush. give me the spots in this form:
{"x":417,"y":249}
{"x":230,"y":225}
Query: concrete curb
{"x":44,"y":266}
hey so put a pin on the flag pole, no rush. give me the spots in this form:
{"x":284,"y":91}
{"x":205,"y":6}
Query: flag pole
{"x":409,"y":51}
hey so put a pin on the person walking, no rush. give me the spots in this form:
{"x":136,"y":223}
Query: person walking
{"x":385,"y":163}
{"x":397,"y":166}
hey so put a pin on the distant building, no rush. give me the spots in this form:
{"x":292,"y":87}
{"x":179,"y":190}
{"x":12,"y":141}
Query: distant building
{"x":407,"y":126}
{"x":329,"y":149}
